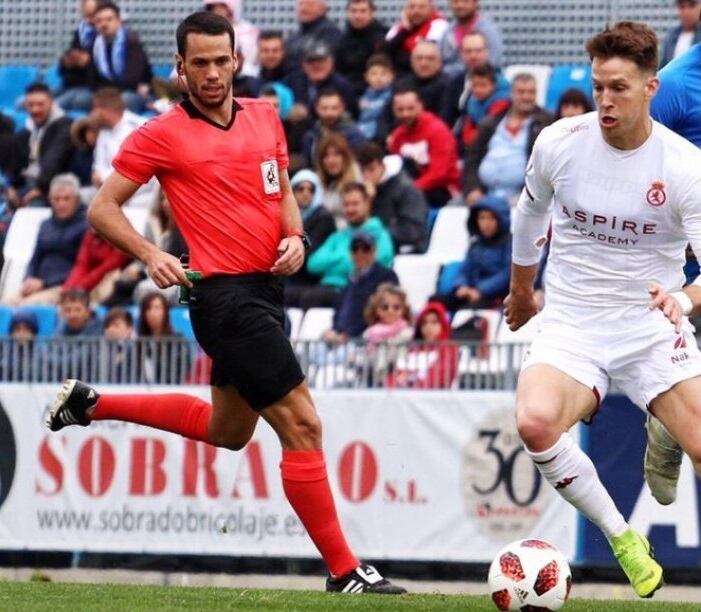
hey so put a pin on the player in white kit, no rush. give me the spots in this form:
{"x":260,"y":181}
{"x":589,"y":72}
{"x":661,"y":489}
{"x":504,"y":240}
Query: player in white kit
{"x":624,"y":196}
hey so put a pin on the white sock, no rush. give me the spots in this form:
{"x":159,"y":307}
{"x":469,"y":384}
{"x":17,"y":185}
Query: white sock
{"x":567,"y":468}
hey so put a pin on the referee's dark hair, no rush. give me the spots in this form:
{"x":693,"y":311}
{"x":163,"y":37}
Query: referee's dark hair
{"x":203,"y":22}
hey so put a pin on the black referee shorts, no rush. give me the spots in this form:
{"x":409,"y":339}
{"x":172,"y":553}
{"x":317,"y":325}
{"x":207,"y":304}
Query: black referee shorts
{"x":238,"y":321}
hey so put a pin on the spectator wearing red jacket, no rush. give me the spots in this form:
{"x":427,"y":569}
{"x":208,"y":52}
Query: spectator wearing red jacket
{"x":96,"y":267}
{"x":433,"y":364}
{"x":427,"y":146}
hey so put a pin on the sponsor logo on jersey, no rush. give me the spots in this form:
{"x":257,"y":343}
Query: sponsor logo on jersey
{"x":656,"y":195}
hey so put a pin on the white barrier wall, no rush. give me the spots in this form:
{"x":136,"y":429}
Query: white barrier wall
{"x":430,"y":476}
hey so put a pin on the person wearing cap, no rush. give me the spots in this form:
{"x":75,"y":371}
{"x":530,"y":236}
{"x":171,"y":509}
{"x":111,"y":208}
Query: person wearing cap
{"x":314,"y":26}
{"x":680,"y":38}
{"x":368,"y":274}
{"x":333,"y":262}
{"x":318,"y":72}
{"x":246,"y":32}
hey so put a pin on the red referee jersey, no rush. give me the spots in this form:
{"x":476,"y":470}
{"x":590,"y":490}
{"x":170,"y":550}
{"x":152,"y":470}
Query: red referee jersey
{"x":223,"y":183}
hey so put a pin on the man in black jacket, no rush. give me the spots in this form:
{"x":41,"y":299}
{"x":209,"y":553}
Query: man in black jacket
{"x":363,"y":37}
{"x":397,"y":202}
{"x":119,"y":58}
{"x":40,"y":151}
{"x":314,"y":26}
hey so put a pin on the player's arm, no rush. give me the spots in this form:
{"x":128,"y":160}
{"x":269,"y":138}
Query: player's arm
{"x":107,"y":218}
{"x":687,"y":301}
{"x":291,"y":249}
{"x":531,"y":219}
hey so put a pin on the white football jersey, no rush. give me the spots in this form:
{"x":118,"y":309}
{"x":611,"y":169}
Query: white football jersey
{"x":620,"y":219}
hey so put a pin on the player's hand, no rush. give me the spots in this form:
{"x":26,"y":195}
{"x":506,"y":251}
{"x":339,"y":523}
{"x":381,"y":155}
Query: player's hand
{"x":519,"y":308}
{"x":166,"y":270}
{"x":668,"y":304}
{"x":290,"y":256}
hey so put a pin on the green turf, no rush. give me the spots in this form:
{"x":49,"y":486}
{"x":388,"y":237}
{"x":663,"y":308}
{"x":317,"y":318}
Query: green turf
{"x":58,"y":597}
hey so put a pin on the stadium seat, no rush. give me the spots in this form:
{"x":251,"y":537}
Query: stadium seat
{"x":5,"y":316}
{"x":52,"y":77}
{"x":566,"y":77}
{"x":418,"y":275}
{"x":18,"y":116}
{"x":316,"y":321}
{"x":180,"y":322}
{"x":47,"y":317}
{"x":449,"y":273}
{"x":295,"y":315}
{"x":14,"y":79}
{"x":138,"y":217}
{"x":449,"y":239}
{"x":162,"y":71}
{"x":541,"y":74}
{"x":19,"y":247}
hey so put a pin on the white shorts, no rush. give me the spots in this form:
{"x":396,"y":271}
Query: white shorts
{"x":642,"y":357}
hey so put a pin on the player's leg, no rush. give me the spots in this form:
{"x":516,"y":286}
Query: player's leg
{"x":679,"y":410}
{"x":306,"y":486}
{"x":228,"y":422}
{"x":548,"y":403}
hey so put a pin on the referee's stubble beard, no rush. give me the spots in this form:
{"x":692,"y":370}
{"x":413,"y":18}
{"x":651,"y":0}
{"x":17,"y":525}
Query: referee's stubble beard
{"x":209,"y":68}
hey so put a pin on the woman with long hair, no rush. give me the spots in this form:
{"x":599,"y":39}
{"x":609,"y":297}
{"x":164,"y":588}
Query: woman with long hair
{"x":336,"y":167}
{"x":164,"y":354}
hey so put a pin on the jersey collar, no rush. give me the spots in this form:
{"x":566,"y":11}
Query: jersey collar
{"x":194,"y":113}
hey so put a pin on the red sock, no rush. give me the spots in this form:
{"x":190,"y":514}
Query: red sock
{"x":307,"y":488}
{"x":176,"y":412}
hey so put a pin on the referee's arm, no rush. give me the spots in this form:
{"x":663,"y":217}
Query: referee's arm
{"x":106,"y":217}
{"x":291,"y":248}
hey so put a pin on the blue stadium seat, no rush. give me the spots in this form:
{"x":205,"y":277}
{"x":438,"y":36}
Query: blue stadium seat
{"x":47,"y":317}
{"x":52,"y":77}
{"x":565,"y":77}
{"x":431,"y":219}
{"x":180,"y":321}
{"x":446,"y":279}
{"x":76,"y":114}
{"x":19,"y":117}
{"x":14,"y":79}
{"x":5,"y":316}
{"x":162,"y":71}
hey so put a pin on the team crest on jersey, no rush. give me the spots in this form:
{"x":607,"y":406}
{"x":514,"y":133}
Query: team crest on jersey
{"x":271,"y":177}
{"x":656,"y":195}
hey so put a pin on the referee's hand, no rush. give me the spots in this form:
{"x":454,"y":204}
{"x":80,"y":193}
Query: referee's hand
{"x":290,"y":256}
{"x":166,"y":270}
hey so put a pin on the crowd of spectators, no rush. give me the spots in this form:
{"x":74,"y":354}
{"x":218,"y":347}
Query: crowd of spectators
{"x":385,"y":124}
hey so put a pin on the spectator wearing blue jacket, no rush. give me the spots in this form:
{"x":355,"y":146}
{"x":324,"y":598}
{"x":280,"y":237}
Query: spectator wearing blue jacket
{"x":57,"y":244}
{"x":483,"y":281}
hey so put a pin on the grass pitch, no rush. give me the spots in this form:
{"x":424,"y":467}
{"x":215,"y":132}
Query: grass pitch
{"x":63,"y":597}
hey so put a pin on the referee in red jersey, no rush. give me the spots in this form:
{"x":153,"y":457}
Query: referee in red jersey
{"x":223,"y":165}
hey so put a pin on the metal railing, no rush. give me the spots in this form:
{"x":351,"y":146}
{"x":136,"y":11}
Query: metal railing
{"x":176,"y":361}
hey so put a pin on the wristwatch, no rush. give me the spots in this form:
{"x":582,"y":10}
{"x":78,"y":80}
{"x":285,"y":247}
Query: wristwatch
{"x":304,"y":237}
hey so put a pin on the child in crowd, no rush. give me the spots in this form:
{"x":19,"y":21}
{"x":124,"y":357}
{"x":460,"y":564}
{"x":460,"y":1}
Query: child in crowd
{"x":389,"y":326}
{"x":483,"y":281}
{"x":375,"y":119}
{"x":433,"y":364}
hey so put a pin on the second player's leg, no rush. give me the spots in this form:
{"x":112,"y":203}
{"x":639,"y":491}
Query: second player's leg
{"x":233,"y":421}
{"x":679,"y":410}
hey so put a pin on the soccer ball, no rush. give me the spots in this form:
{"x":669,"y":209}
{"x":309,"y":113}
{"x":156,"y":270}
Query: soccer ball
{"x":531,"y":576}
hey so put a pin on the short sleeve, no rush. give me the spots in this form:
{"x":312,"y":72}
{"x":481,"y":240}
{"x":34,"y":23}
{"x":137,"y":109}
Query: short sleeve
{"x":144,"y":153}
{"x":280,"y":144}
{"x":538,"y":190}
